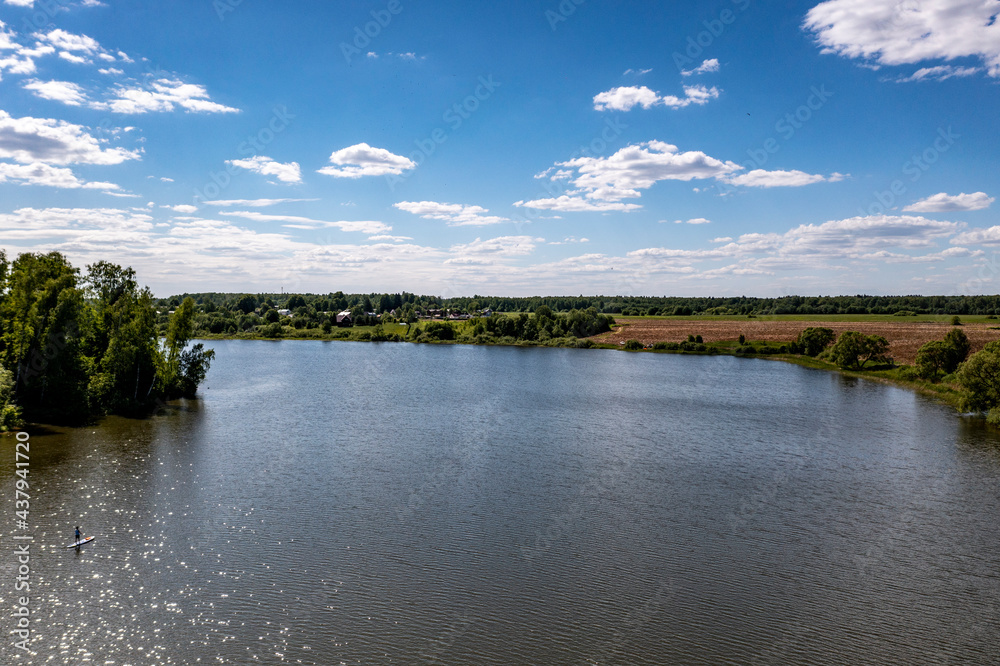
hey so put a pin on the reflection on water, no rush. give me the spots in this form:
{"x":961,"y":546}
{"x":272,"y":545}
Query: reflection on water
{"x":359,"y":503}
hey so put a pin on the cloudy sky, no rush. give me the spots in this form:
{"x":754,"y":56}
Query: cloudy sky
{"x":722,"y":147}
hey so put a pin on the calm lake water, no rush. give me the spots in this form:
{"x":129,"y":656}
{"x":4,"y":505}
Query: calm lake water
{"x":353,"y":503}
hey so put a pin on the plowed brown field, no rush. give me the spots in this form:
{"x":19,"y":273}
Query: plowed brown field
{"x":905,"y":338}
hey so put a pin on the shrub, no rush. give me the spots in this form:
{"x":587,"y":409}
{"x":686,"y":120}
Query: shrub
{"x":956,"y":321}
{"x":272,"y":330}
{"x":633,"y":345}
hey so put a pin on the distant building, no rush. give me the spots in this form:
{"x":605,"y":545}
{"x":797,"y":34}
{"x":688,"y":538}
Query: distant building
{"x":285,"y":313}
{"x":344,"y":318}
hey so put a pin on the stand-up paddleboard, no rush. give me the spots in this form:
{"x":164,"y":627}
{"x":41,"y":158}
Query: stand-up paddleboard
{"x":81,"y":542}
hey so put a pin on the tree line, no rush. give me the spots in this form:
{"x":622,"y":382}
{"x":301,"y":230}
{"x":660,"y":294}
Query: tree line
{"x":74,"y":346}
{"x":407,"y":304}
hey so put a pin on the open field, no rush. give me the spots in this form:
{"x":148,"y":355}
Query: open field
{"x":905,"y":336}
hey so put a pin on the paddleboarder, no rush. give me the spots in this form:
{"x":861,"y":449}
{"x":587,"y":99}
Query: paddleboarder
{"x":77,"y":540}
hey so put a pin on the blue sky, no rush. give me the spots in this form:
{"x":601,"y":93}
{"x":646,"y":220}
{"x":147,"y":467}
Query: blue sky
{"x":517,"y":148}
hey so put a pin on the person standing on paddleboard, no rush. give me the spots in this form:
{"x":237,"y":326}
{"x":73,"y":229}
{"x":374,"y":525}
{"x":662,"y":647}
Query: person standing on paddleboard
{"x":77,"y":535}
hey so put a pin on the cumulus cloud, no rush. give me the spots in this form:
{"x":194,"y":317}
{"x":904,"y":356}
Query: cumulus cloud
{"x":162,"y":95}
{"x":456,"y":215}
{"x":286,"y":173}
{"x":185,"y":209}
{"x":29,"y":140}
{"x":944,"y":203}
{"x":602,"y":182}
{"x":47,"y":175}
{"x":66,"y":92}
{"x":626,"y":98}
{"x":704,"y":68}
{"x":891,"y":32}
{"x":988,"y":236}
{"x":364,"y":160}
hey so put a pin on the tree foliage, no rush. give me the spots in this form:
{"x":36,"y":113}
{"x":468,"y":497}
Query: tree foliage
{"x":854,"y":350}
{"x":814,"y":340}
{"x":72,"y":347}
{"x":980,"y":378}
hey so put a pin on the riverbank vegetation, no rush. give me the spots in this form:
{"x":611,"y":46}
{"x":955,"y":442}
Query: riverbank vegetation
{"x":75,"y":346}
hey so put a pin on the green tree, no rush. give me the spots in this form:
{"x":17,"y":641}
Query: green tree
{"x":184,"y":370}
{"x":43,"y":320}
{"x":932,"y":357}
{"x":855,"y":350}
{"x":980,"y":378}
{"x":958,"y":346}
{"x":10,"y":414}
{"x":123,"y":341}
{"x":814,"y":340}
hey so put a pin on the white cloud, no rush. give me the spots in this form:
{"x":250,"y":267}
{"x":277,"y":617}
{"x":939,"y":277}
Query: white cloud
{"x":704,"y":68}
{"x":390,"y":238}
{"x":722,"y":239}
{"x":694,"y":220}
{"x":602,"y":182}
{"x":456,"y":215}
{"x":762,"y":178}
{"x":295,"y":222}
{"x":60,"y":91}
{"x":286,"y":173}
{"x":28,"y":140}
{"x":47,"y":175}
{"x":942,"y":203}
{"x":988,"y":236}
{"x":626,"y":98}
{"x":186,"y":209}
{"x":890,"y":32}
{"x":637,"y":167}
{"x":572,"y":204}
{"x":162,"y":95}
{"x":253,"y":203}
{"x":363,"y":160}
{"x":67,"y":41}
{"x":939,"y":73}
{"x":507,"y":246}
{"x":111,"y":71}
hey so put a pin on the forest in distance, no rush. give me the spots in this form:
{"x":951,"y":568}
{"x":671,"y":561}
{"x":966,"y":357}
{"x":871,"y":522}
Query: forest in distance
{"x":624,"y":305}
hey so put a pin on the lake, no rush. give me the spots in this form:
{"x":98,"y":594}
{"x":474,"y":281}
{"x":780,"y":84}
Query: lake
{"x":355,"y":503}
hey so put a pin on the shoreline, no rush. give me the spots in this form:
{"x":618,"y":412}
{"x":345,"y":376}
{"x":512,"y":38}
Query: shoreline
{"x":941,"y":392}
